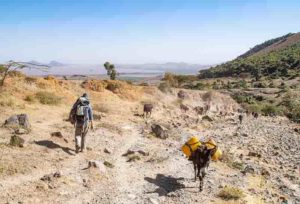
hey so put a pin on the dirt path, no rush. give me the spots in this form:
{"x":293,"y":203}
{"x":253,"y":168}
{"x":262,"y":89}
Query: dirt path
{"x":163,"y":175}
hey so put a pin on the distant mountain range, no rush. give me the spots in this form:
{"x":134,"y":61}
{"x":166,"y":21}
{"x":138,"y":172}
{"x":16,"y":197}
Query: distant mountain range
{"x":50,"y":64}
{"x":58,"y":68}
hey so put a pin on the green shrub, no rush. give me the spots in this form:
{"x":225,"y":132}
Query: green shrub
{"x":294,"y":114}
{"x":48,"y":98}
{"x":270,"y":109}
{"x":240,"y":84}
{"x":231,"y":193}
{"x":237,"y":165}
{"x":16,"y":141}
{"x":240,"y":98}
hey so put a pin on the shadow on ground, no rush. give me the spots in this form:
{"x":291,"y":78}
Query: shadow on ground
{"x":51,"y":145}
{"x":166,"y":184}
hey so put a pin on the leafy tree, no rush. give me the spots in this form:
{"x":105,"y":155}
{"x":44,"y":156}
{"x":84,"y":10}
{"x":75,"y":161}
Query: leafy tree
{"x":12,"y":66}
{"x":110,"y":69}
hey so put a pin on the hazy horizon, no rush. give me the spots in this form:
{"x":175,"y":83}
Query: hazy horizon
{"x":139,"y":32}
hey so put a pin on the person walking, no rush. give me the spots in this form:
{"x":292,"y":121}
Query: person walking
{"x":81,"y":116}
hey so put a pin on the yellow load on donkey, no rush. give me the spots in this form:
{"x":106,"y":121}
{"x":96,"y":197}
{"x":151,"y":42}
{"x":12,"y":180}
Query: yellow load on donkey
{"x":192,"y":144}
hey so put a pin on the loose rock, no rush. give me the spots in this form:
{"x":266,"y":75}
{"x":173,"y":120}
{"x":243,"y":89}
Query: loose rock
{"x":159,"y":131}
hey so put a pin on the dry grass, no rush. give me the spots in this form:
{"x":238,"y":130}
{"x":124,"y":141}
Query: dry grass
{"x":164,"y":87}
{"x":48,"y":98}
{"x":231,"y":193}
{"x":30,"y":98}
{"x":102,"y":108}
{"x":6,"y":169}
{"x":30,"y":80}
{"x":208,"y":96}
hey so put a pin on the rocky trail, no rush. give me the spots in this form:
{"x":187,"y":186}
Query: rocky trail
{"x":157,"y":171}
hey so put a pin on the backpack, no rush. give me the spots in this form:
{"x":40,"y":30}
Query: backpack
{"x":79,"y":111}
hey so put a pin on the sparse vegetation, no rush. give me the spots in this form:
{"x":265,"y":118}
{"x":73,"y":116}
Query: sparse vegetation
{"x":164,"y":87}
{"x":30,"y":98}
{"x":231,"y":193}
{"x":237,"y":165}
{"x":30,"y":80}
{"x":16,"y":141}
{"x":113,"y":87}
{"x":7,"y":169}
{"x":283,"y":62}
{"x":48,"y":98}
{"x":178,"y":80}
{"x":108,"y":164}
{"x":270,"y":109}
{"x":10,"y":69}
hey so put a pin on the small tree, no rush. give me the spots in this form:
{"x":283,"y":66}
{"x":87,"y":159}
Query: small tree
{"x":12,"y":66}
{"x":111,"y":71}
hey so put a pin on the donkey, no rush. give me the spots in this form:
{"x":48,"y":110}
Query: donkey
{"x":201,"y":159}
{"x":147,"y":109}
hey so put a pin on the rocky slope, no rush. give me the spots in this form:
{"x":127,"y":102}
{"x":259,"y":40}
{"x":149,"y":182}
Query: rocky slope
{"x":261,"y":156}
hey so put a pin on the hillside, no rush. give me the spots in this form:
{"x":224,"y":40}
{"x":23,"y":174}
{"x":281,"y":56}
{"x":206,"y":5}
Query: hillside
{"x":46,"y":169}
{"x":269,"y":44}
{"x":273,"y":58}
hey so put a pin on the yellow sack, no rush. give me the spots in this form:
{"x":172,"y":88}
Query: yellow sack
{"x":210,"y":144}
{"x":190,"y":146}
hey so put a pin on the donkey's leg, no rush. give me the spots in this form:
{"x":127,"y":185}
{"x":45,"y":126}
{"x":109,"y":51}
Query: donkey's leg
{"x":195,"y":171}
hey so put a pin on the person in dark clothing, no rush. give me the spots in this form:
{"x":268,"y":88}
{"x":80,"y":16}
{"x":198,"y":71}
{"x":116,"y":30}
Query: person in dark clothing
{"x":81,"y":116}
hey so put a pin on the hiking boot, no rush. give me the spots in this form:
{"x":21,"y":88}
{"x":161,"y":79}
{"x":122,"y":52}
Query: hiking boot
{"x":77,"y":149}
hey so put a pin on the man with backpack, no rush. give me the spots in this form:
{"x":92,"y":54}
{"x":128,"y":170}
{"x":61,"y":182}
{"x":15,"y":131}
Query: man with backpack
{"x":81,"y":116}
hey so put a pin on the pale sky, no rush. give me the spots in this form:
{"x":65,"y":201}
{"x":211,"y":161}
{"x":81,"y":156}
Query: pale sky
{"x":140,"y":31}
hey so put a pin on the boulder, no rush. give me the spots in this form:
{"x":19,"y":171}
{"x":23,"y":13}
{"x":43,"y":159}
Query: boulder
{"x":181,"y":94}
{"x":17,"y":141}
{"x":18,"y":121}
{"x":206,"y":117}
{"x":107,"y":150}
{"x":184,"y":107}
{"x":199,"y":110}
{"x":159,"y":131}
